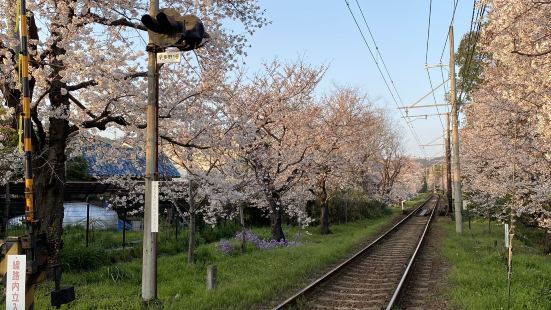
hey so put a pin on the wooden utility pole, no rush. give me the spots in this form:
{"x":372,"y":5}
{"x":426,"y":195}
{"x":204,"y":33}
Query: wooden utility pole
{"x":458,"y":201}
{"x":149,"y":264}
{"x":448,"y":165}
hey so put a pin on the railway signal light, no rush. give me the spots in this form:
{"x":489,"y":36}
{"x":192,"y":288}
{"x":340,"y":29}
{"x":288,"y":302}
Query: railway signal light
{"x":170,"y":29}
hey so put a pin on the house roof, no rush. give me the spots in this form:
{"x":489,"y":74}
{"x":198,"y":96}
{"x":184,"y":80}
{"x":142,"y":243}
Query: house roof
{"x":106,"y":160}
{"x":124,"y":166}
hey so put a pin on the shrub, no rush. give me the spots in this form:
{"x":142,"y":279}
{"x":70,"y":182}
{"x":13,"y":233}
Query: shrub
{"x":82,"y":258}
{"x":223,"y":230}
{"x":204,"y":255}
{"x":350,"y":205}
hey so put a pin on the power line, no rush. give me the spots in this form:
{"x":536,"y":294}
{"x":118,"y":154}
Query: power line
{"x":381,"y":73}
{"x":379,"y":53}
{"x":470,"y":34}
{"x":428,"y":33}
{"x":476,"y":35}
{"x":446,"y":43}
{"x":426,"y":62}
{"x":451,"y":24}
{"x":371,"y":52}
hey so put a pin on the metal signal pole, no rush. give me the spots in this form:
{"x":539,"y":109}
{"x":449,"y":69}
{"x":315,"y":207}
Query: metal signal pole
{"x":458,"y":200}
{"x":27,"y":125}
{"x":149,"y":264}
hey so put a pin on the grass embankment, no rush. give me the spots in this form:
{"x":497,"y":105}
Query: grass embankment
{"x":478,"y":278}
{"x":244,"y":281}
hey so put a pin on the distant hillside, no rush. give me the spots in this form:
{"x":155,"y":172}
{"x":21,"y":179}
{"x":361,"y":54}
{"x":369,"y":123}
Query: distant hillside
{"x":431,"y":161}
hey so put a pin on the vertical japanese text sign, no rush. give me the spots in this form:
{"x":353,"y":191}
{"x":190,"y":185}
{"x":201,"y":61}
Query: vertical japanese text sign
{"x":155,"y":206}
{"x":15,"y":284}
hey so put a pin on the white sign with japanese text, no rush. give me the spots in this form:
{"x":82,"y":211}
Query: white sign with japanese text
{"x":168,"y":57}
{"x":155,"y":206}
{"x":15,"y":282}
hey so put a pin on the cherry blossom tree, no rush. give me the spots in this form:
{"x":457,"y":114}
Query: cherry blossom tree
{"x":272,"y":119}
{"x":505,"y":148}
{"x":87,"y":71}
{"x":341,"y":132}
{"x":409,"y":181}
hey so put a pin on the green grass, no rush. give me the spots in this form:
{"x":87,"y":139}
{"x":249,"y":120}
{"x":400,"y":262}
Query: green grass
{"x":244,"y":281}
{"x":478,"y":278}
{"x":422,"y":197}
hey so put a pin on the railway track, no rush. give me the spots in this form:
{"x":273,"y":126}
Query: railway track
{"x":372,"y":278}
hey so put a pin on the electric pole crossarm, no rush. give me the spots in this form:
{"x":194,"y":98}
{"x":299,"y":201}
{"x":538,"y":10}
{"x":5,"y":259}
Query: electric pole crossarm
{"x":424,"y":115}
{"x":425,"y":106}
{"x":437,"y":144}
{"x":432,"y":66}
{"x":435,"y":140}
{"x":428,"y":94}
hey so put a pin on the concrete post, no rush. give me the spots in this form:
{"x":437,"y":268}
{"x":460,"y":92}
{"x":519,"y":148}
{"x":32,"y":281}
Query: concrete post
{"x":211,"y":277}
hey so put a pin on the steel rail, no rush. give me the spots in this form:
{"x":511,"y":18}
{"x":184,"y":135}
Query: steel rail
{"x":291,"y":300}
{"x":412,"y":259}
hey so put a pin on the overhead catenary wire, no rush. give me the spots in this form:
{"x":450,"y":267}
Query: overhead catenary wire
{"x":456,"y":2}
{"x":426,"y":67}
{"x":470,"y":34}
{"x":378,"y":50}
{"x":474,"y":34}
{"x":451,"y":24}
{"x":428,"y":34}
{"x":382,"y":75}
{"x":446,"y":43}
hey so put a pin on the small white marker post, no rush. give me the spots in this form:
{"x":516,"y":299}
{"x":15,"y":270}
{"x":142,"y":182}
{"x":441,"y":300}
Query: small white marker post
{"x":506,"y":235}
{"x":403,"y":205}
{"x":15,"y":282}
{"x":155,"y":206}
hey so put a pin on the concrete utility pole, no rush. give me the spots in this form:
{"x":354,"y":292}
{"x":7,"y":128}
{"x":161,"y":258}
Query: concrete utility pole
{"x":448,"y":165}
{"x":458,"y":201}
{"x":433,"y":173}
{"x":443,"y":176}
{"x":149,"y":264}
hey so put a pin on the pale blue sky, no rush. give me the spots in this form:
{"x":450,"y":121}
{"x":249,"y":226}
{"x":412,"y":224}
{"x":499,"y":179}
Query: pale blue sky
{"x":323,"y":32}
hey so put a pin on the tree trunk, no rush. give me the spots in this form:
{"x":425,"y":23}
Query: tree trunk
{"x":192,"y":225}
{"x":276,"y":217}
{"x":324,"y":205}
{"x":242,"y":222}
{"x":49,"y":180}
{"x":192,"y":237}
{"x":49,"y":192}
{"x":547,"y":242}
{"x":346,"y":211}
{"x":6,"y":216}
{"x":324,"y":218}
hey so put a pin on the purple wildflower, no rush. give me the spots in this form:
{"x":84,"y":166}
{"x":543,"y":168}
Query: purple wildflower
{"x":262,"y":244}
{"x":225,"y":246}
